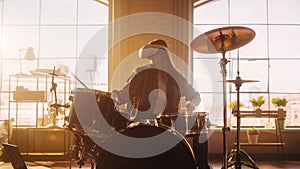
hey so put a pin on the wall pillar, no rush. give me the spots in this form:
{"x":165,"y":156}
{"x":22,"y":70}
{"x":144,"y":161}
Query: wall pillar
{"x":132,"y":26}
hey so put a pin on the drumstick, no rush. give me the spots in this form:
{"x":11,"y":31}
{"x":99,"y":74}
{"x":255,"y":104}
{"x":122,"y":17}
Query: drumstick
{"x":79,"y":80}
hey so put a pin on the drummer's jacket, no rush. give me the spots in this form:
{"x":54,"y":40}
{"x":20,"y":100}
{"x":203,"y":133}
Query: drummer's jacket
{"x":148,"y":78}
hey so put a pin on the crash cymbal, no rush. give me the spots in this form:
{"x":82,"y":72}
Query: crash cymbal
{"x":47,"y":72}
{"x":233,"y":38}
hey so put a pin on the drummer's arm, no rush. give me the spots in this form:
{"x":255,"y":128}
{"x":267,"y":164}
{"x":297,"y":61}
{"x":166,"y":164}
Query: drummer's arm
{"x":194,"y":102}
{"x":120,"y":96}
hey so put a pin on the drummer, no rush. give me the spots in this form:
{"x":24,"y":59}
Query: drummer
{"x":156,"y":88}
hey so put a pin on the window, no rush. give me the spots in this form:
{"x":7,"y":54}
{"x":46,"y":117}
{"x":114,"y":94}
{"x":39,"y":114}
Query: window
{"x":270,"y":58}
{"x":58,"y":31}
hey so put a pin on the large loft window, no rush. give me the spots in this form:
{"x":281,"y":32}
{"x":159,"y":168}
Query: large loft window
{"x":270,"y":58}
{"x":58,"y":31}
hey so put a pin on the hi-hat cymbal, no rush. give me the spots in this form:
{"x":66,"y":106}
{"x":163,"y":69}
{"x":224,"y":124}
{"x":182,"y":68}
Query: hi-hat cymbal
{"x":240,"y":81}
{"x":233,"y":38}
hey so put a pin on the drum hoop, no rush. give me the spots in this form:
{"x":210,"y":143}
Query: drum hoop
{"x":176,"y":133}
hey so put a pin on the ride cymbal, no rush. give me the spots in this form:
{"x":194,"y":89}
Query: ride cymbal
{"x":232,"y":37}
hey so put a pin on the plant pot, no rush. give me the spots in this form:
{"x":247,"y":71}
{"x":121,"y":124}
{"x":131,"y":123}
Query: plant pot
{"x":252,"y":138}
{"x":256,"y":108}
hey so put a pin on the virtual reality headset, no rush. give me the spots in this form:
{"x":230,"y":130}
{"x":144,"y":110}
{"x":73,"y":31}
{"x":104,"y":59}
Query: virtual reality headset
{"x":150,"y":50}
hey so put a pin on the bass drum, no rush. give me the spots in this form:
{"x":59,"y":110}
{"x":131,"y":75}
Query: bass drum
{"x":180,"y":156}
{"x":84,"y":149}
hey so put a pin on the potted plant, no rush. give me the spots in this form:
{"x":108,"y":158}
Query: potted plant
{"x":279,"y":102}
{"x":233,"y":105}
{"x":257,"y":103}
{"x":252,"y":135}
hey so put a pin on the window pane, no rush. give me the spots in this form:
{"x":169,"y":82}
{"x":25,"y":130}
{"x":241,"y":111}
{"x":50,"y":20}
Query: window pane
{"x":97,"y":12}
{"x":1,"y":10}
{"x":212,"y":103}
{"x":212,"y":13}
{"x":58,"y":41}
{"x":246,"y":12}
{"x":66,"y":65}
{"x":100,"y":77}
{"x":9,"y":67}
{"x":251,"y":70}
{"x":284,"y":41}
{"x":283,"y":77}
{"x":284,"y":11}
{"x":17,"y":39}
{"x":21,"y":12}
{"x":4,"y":106}
{"x":58,"y":12}
{"x":257,"y":48}
{"x":292,"y":108}
{"x":88,"y":33}
{"x":207,"y":75}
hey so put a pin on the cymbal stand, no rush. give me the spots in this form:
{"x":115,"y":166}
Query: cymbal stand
{"x":55,"y":104}
{"x":236,"y":153}
{"x":226,"y":129}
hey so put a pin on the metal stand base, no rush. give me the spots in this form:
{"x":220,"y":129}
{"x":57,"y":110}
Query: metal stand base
{"x":234,"y":160}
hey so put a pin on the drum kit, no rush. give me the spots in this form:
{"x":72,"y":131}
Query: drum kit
{"x":86,"y":149}
{"x":220,"y":40}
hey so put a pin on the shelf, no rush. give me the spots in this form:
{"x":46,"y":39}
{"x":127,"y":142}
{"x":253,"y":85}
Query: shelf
{"x":29,"y":95}
{"x":34,"y":91}
{"x":262,"y":144}
{"x":280,"y":113}
{"x":279,"y":117}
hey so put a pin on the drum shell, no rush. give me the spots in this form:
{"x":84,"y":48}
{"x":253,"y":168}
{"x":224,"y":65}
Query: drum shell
{"x":186,"y":124}
{"x":106,"y":107}
{"x":181,"y":156}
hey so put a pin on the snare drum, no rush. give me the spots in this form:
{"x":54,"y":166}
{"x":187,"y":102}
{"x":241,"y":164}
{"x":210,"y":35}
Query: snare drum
{"x":189,"y":124}
{"x":179,"y":156}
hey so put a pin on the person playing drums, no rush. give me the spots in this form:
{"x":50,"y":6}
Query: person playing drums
{"x":156,"y":89}
{"x":153,"y":90}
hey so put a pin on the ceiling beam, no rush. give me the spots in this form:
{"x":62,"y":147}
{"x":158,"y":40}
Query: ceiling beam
{"x":198,"y":3}
{"x":104,"y":2}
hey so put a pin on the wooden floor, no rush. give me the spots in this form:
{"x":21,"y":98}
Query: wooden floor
{"x":267,"y":165}
{"x":213,"y":164}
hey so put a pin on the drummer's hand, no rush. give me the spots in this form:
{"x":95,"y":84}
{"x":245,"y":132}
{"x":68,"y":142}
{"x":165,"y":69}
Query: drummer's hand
{"x":114,"y":95}
{"x":190,"y":106}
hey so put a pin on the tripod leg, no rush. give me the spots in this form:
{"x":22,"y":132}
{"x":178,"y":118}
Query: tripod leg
{"x":231,"y":158}
{"x":253,"y":164}
{"x":235,"y":161}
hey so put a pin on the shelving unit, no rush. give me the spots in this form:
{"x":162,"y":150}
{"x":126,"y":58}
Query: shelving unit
{"x":29,"y":100}
{"x":279,"y":117}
